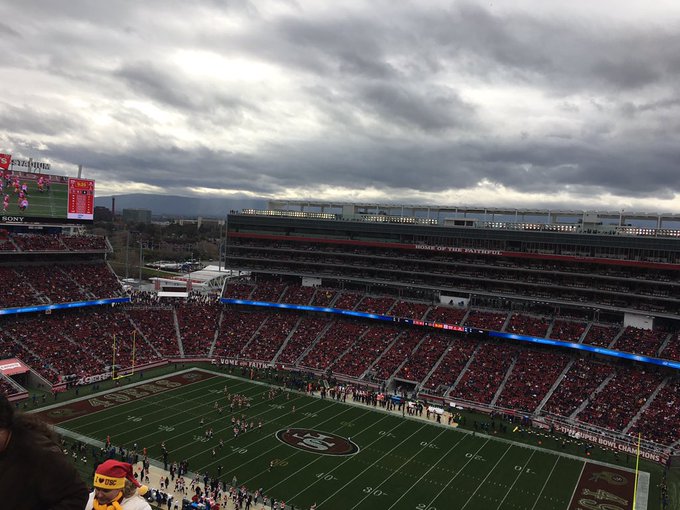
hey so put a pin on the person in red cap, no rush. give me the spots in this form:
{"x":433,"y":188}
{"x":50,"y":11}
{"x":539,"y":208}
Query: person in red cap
{"x":115,"y":488}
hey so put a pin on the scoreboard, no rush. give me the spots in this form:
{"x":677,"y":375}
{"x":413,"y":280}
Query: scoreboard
{"x":34,"y":197}
{"x":80,"y":199}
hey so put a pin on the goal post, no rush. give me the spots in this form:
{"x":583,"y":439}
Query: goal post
{"x":115,"y":377}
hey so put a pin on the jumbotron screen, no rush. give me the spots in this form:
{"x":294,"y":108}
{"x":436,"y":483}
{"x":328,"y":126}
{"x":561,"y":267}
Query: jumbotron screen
{"x":38,"y":197}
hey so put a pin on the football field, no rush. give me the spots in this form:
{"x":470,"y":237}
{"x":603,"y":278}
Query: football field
{"x":51,"y":204}
{"x":339,"y":456}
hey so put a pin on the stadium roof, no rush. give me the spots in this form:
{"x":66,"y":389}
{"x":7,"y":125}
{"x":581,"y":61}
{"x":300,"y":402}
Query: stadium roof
{"x":208,"y":278}
{"x":442,"y":211}
{"x":209,"y":274}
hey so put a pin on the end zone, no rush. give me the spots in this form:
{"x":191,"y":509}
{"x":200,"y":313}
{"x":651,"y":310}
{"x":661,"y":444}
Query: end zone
{"x":609,"y":487}
{"x":89,"y":405}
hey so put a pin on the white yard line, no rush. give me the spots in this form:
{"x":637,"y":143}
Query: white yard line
{"x":229,"y":427}
{"x":573,"y":494}
{"x":457,"y":430}
{"x":513,"y":483}
{"x":112,"y":390}
{"x":459,"y":472}
{"x":427,"y":472}
{"x":346,"y":460}
{"x":266,"y":437}
{"x":545,"y":484}
{"x":121,"y":410}
{"x":551,"y":452}
{"x":396,"y":470}
{"x":643,"y":493}
{"x":319,"y":457}
{"x":373,"y":464}
{"x":74,"y":433}
{"x":486,"y":477}
{"x":180,"y":408}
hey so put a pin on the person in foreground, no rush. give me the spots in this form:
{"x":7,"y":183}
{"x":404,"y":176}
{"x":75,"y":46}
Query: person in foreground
{"x":34,"y":473}
{"x":115,"y":488}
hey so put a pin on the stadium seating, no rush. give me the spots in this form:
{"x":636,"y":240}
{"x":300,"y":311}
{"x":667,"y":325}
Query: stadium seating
{"x":575,"y":281}
{"x":332,"y":344}
{"x":270,"y":337}
{"x":618,"y":402}
{"x":399,"y":352}
{"x":568,"y":331}
{"x":77,"y":343}
{"x":96,"y":279}
{"x":409,"y":309}
{"x":581,"y":380}
{"x":600,"y":335}
{"x":457,"y":355}
{"x":15,"y":291}
{"x":269,"y":291}
{"x":520,"y":323}
{"x":660,"y":422}
{"x":25,"y":242}
{"x":238,"y":290}
{"x":6,"y":245}
{"x":12,"y":347}
{"x":672,"y":349}
{"x":303,"y":337}
{"x":362,"y":354}
{"x":93,"y":332}
{"x":482,"y":379}
{"x":640,"y":341}
{"x":84,"y":243}
{"x":236,"y":330}
{"x":377,"y":305}
{"x":423,"y":359}
{"x":27,"y":285}
{"x":53,"y":284}
{"x":197,"y":323}
{"x":31,"y":242}
{"x":157,"y":325}
{"x":348,"y":347}
{"x":297,"y":295}
{"x":482,"y":319}
{"x":527,"y":325}
{"x":323,"y":297}
{"x":446,"y":314}
{"x":58,"y":355}
{"x":531,"y":378}
{"x":6,"y":388}
{"x":347,"y":300}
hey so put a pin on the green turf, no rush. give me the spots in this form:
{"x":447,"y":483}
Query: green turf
{"x":50,"y":204}
{"x":402,"y":463}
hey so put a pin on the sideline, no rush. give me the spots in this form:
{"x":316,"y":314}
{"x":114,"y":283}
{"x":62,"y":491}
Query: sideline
{"x":644,"y":477}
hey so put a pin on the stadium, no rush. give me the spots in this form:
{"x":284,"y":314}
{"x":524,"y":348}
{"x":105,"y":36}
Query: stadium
{"x":364,"y":356}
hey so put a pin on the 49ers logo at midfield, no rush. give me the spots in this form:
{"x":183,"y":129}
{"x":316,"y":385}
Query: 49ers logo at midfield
{"x":313,"y":441}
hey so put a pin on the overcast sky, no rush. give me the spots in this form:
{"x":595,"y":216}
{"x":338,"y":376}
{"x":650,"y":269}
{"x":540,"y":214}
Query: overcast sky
{"x":514,"y":102}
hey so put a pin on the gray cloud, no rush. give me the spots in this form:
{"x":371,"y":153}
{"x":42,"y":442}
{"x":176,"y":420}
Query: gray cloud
{"x":147,"y":79}
{"x":429,"y":110}
{"x":27,"y":120}
{"x":405,"y":98}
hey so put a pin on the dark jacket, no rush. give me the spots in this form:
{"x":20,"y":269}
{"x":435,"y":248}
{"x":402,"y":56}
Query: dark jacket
{"x":36,"y":475}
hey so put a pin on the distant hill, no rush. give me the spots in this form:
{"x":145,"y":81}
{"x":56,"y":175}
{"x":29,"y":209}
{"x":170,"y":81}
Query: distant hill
{"x":180,"y":207}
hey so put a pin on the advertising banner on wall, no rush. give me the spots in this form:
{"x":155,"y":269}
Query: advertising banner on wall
{"x":12,"y":366}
